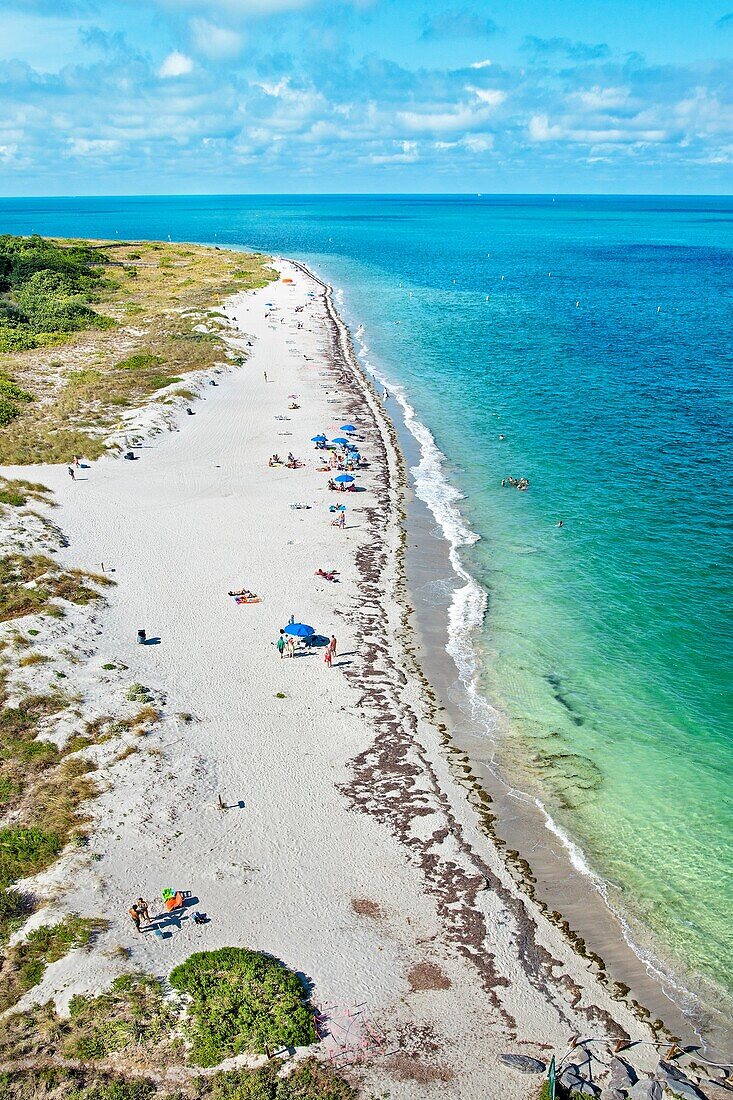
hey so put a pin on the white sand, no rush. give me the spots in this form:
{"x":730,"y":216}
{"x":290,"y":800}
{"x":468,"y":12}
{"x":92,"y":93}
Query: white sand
{"x":200,"y":513}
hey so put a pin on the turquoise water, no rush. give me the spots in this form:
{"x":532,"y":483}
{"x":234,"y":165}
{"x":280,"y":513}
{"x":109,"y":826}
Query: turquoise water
{"x":607,"y":642}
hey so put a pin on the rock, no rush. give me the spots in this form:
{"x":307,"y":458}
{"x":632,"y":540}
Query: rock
{"x":685,"y":1089}
{"x":646,"y":1089}
{"x":610,"y":1093}
{"x":674,"y":1080}
{"x":668,"y":1071}
{"x":523,"y":1063}
{"x":585,"y":1088}
{"x":622,"y":1075}
{"x":571,"y":1072}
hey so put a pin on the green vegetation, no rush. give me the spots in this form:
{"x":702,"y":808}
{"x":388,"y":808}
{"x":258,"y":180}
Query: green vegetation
{"x":308,"y":1081}
{"x":46,"y":289}
{"x":14,"y":908}
{"x":17,"y":492}
{"x":127,"y":1037}
{"x":51,"y":582}
{"x":25,"y":962}
{"x":242,"y":1001}
{"x":26,"y":851}
{"x":67,"y":369}
{"x":137,"y":693}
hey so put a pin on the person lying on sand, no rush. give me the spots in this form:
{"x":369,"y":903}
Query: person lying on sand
{"x":327,"y":574}
{"x":275,"y":461}
{"x":244,"y":592}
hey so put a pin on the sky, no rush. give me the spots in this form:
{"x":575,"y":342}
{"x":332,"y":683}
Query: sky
{"x":365,"y":96}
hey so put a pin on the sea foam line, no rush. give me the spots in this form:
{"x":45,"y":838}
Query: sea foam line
{"x":466,"y":614}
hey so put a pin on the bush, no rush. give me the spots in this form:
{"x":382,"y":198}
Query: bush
{"x":242,"y":1002}
{"x":308,"y":1081}
{"x":140,"y":361}
{"x":25,"y":852}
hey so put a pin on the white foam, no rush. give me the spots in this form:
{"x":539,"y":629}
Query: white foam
{"x":465,"y":615}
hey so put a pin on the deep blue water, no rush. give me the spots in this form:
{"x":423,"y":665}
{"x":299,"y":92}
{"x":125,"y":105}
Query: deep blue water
{"x":595,"y":335}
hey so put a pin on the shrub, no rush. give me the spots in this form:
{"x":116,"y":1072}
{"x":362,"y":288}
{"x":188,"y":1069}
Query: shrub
{"x":141,"y":361}
{"x":242,"y":1002}
{"x":25,"y":851}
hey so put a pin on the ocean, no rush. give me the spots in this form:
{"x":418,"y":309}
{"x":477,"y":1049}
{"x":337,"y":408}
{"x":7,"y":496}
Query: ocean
{"x":585,"y":344}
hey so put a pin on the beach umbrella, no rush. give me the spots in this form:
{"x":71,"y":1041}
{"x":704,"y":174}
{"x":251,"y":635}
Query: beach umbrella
{"x":348,"y":428}
{"x":299,"y":630}
{"x":318,"y":439}
{"x":342,"y":442}
{"x":343,"y":479}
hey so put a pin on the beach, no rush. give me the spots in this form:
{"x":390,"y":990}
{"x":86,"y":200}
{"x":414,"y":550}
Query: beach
{"x":317,"y":813}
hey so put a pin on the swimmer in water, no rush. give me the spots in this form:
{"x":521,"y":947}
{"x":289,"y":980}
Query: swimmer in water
{"x":559,"y":524}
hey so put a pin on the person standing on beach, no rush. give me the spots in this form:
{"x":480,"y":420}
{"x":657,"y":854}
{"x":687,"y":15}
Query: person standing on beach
{"x":76,"y":462}
{"x":71,"y":473}
{"x":281,"y":644}
{"x":328,"y":657}
{"x":342,"y":520}
{"x":291,"y":646}
{"x":332,"y":645}
{"x":135,"y":916}
{"x":265,"y":374}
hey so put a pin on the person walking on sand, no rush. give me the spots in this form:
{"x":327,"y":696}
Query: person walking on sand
{"x":135,"y":916}
{"x":265,"y":374}
{"x":291,"y":646}
{"x":281,"y":644}
{"x":342,"y":520}
{"x":71,"y":473}
{"x":332,"y":645}
{"x":76,"y":462}
{"x":328,"y":657}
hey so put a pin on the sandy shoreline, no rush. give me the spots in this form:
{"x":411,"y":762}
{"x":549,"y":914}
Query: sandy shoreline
{"x":352,"y":850}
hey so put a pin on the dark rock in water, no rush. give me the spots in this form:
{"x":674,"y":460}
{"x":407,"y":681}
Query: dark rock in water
{"x":646,"y":1089}
{"x":523,"y":1063}
{"x":622,"y":1075}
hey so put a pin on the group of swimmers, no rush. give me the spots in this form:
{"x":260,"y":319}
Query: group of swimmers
{"x":521,"y":483}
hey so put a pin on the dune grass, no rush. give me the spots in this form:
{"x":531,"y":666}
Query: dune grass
{"x":67,"y":387}
{"x":24,"y":963}
{"x":31,"y":583}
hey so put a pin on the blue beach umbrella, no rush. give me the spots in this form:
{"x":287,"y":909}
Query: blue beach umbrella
{"x":342,"y":442}
{"x":348,"y":428}
{"x":318,"y":439}
{"x":344,"y":479}
{"x":299,"y":630}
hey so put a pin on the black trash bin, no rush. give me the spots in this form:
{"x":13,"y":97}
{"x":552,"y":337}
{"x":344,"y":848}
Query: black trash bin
{"x":141,"y":637}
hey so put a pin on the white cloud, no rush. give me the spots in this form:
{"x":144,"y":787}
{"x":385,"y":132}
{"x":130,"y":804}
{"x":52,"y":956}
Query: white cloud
{"x":478,"y":143}
{"x":175,"y":64}
{"x":213,"y":41}
{"x":601,"y":99}
{"x":492,"y":97}
{"x":462,"y":118}
{"x":87,"y":147}
{"x":480,"y":64}
{"x":540,"y":130}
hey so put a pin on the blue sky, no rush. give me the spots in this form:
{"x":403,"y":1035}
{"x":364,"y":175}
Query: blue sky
{"x":179,"y":96}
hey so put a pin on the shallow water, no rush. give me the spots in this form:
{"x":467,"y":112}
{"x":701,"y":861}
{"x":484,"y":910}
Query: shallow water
{"x":595,"y":335}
